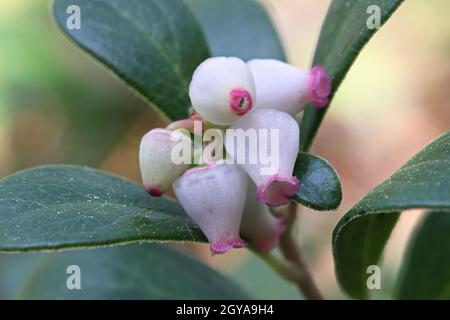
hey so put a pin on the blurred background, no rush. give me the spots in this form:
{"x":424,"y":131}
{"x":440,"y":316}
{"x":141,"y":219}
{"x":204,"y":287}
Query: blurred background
{"x":59,"y":106}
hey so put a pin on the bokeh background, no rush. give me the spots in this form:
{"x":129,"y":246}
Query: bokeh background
{"x":59,"y":106}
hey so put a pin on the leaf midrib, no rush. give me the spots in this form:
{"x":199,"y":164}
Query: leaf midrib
{"x":150,"y":41}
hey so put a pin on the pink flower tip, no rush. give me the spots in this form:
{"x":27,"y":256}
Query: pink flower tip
{"x":277,"y":190}
{"x":220,"y":247}
{"x":241,"y":101}
{"x":268,"y":241}
{"x":319,"y":87}
{"x":154,"y":191}
{"x":196,"y":117}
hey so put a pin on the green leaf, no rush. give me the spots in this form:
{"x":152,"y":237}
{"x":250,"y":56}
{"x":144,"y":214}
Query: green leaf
{"x":231,"y":26}
{"x":320,"y":187}
{"x":430,"y":244}
{"x":360,"y":236}
{"x":128,"y":272}
{"x":344,"y":33}
{"x":59,"y":207}
{"x":153,"y":45}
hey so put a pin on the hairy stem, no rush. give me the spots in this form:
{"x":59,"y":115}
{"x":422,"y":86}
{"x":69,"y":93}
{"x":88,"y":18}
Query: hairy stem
{"x":293,"y":253}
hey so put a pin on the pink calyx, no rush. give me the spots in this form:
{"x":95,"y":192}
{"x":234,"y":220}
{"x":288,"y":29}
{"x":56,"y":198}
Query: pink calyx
{"x":241,"y":101}
{"x":154,"y":191}
{"x":223,"y":246}
{"x":188,"y":124}
{"x":195,"y":116}
{"x":319,"y":87}
{"x":277,"y":190}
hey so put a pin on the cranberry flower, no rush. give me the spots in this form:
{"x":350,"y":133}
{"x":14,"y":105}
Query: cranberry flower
{"x":259,"y":225}
{"x":284,"y":87}
{"x":279,"y":186}
{"x":222,"y":90}
{"x":255,"y":98}
{"x":214,"y":197}
{"x":158,"y":170}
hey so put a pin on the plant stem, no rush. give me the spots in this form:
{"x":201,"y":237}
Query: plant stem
{"x":293,"y":253}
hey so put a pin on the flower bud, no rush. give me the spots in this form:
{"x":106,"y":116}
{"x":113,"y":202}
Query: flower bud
{"x":214,"y":197}
{"x":158,"y":170}
{"x":287,"y":88}
{"x":222,"y":89}
{"x":258,"y":224}
{"x":269,"y":160}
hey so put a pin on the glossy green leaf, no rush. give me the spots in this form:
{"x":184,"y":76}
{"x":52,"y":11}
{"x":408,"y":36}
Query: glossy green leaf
{"x":231,"y":27}
{"x":320,"y":187}
{"x":153,"y":45}
{"x":360,"y":236}
{"x":344,"y":33}
{"x":59,"y":207}
{"x":128,"y":272}
{"x":425,"y":273}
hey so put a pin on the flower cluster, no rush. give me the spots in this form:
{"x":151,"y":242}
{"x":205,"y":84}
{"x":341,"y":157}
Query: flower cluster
{"x":229,"y":200}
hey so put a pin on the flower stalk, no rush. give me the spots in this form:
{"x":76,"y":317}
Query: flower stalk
{"x":293,"y":267}
{"x":293,"y":253}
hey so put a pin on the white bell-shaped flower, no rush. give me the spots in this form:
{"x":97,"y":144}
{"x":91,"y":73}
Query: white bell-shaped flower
{"x":284,"y":87}
{"x":258,"y":224}
{"x":222,"y":90}
{"x":265,"y":143}
{"x":159,"y":169}
{"x":214,"y":197}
